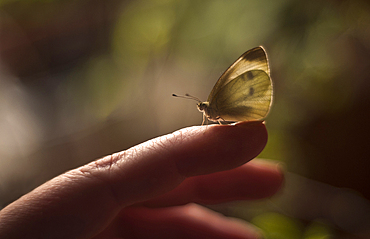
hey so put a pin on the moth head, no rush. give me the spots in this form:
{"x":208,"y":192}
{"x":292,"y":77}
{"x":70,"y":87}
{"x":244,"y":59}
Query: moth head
{"x":202,"y":106}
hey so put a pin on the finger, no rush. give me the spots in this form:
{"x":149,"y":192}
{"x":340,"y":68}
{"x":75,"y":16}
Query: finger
{"x":189,"y":221}
{"x":81,"y":202}
{"x":254,"y":180}
{"x":160,"y":165}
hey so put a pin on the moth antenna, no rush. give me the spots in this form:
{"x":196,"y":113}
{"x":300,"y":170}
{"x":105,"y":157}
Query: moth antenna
{"x":187,"y":96}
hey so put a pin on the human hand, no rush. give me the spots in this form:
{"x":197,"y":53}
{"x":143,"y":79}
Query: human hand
{"x":147,"y":191}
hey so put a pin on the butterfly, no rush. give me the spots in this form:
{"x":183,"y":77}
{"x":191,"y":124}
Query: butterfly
{"x":242,"y":93}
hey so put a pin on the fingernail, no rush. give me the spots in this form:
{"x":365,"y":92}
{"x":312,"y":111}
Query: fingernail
{"x":280,"y":166}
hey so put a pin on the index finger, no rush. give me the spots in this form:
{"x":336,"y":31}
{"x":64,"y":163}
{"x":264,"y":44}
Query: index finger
{"x":83,"y":201}
{"x":159,"y":165}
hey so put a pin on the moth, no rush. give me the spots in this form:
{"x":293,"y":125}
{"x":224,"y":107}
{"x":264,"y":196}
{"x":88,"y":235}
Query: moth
{"x":242,"y":93}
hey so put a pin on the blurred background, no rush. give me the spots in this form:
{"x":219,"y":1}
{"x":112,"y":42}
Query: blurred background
{"x":85,"y":78}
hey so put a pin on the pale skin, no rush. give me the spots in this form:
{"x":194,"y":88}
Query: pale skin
{"x":153,"y":190}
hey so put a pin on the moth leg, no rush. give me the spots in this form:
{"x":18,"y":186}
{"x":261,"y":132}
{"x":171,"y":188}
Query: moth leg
{"x":221,"y":119}
{"x":204,"y":118}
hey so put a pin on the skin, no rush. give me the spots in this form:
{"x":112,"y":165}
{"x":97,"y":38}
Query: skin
{"x":153,"y":189}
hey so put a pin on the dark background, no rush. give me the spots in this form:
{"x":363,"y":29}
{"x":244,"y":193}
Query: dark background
{"x":85,"y":78}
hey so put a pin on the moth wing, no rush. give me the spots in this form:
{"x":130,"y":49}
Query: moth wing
{"x":247,"y":97}
{"x":253,"y":59}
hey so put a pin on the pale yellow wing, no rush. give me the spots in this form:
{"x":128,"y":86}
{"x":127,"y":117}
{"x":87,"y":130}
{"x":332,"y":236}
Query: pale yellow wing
{"x":247,"y":97}
{"x":254,"y":59}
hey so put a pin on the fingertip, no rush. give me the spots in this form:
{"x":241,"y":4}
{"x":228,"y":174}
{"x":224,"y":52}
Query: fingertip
{"x":273,"y":175}
{"x":221,"y":147}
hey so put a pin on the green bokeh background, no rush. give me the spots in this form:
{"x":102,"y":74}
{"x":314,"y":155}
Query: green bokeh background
{"x":82,"y":79}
